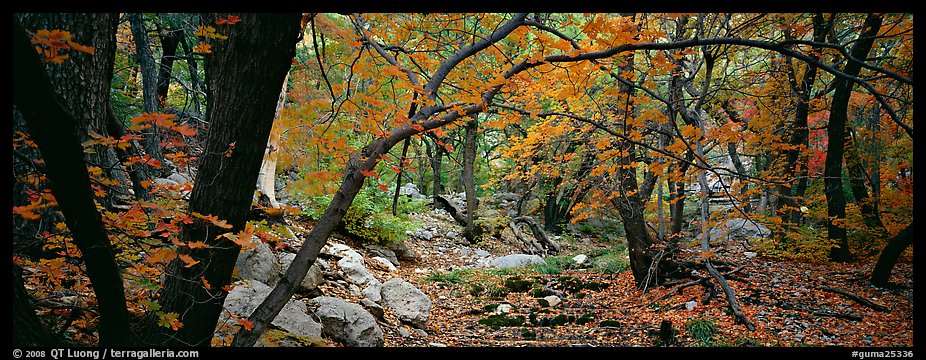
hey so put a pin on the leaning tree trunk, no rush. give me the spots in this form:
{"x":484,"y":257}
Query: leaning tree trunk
{"x":888,"y":258}
{"x":354,"y":177}
{"x":54,"y":130}
{"x":836,"y":134}
{"x":244,"y":74}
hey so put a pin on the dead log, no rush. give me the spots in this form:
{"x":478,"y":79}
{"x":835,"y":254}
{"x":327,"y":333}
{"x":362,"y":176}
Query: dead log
{"x":455,"y":211}
{"x":548,"y":245}
{"x":856,"y":298}
{"x":530,"y":246}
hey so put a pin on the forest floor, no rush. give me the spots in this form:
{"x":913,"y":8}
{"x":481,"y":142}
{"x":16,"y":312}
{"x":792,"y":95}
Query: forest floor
{"x":785,"y":300}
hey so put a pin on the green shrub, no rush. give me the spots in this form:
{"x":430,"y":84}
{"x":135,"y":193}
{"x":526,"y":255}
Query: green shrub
{"x":370,"y":215}
{"x":448,"y":278}
{"x":702,"y":330}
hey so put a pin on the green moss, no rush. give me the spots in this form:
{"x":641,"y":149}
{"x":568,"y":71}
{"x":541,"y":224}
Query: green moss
{"x":609,"y":323}
{"x":275,"y":338}
{"x":502,"y":321}
{"x":518,"y":285}
{"x":586,"y":318}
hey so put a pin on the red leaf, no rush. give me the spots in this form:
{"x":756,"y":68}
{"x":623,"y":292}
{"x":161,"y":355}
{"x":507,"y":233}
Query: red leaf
{"x":368,"y":173}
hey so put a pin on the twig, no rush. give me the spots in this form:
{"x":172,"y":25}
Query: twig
{"x":857,"y":298}
{"x":848,"y":316}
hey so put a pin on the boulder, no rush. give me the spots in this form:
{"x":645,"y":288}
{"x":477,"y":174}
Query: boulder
{"x":374,"y":308}
{"x":355,"y":272}
{"x":580,"y":259}
{"x":383,"y":252}
{"x":383,"y":263}
{"x":312,"y":279}
{"x":737,"y":229}
{"x":294,"y":316}
{"x":373,"y":291}
{"x":516,"y":260}
{"x":503,"y":309}
{"x":411,"y":304}
{"x":347,"y":322}
{"x":552,"y":300}
{"x":402,"y":251}
{"x":259,"y":264}
{"x":180,"y":178}
{"x":411,"y":190}
{"x":423,"y":234}
{"x":341,"y":251}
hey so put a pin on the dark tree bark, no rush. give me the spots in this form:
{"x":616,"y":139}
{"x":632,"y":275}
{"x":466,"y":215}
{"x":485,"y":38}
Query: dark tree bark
{"x":677,"y":198}
{"x":53,"y":130}
{"x":28,"y":328}
{"x":469,"y":186}
{"x":170,"y":39}
{"x":630,"y":206}
{"x":193,"y":69}
{"x":83,"y":82}
{"x":799,"y":129}
{"x":857,"y":177}
{"x":149,"y":80}
{"x":836,"y":134}
{"x":244,"y":75}
{"x":888,"y":258}
{"x":137,"y":172}
{"x":436,"y":158}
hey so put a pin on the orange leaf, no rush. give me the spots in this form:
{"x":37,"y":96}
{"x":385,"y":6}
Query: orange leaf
{"x":205,"y":283}
{"x":188,"y":260}
{"x":383,"y":187}
{"x":185,"y":130}
{"x":368,"y":173}
{"x":197,"y":245}
{"x":202,"y":48}
{"x":245,"y":323}
{"x":233,"y":19}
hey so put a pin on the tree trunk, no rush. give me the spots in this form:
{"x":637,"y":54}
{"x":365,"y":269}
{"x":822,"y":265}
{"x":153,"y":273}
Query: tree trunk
{"x":170,"y":39}
{"x":83,"y":82}
{"x":799,"y":131}
{"x":630,"y":206}
{"x":196,"y":86}
{"x":836,"y":134}
{"x":436,"y":157}
{"x":888,"y":258}
{"x":137,"y":172}
{"x":54,"y":130}
{"x":469,"y":186}
{"x":266,"y":178}
{"x":353,"y":180}
{"x":244,"y":76}
{"x":857,"y":177}
{"x":149,"y":80}
{"x":28,"y":328}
